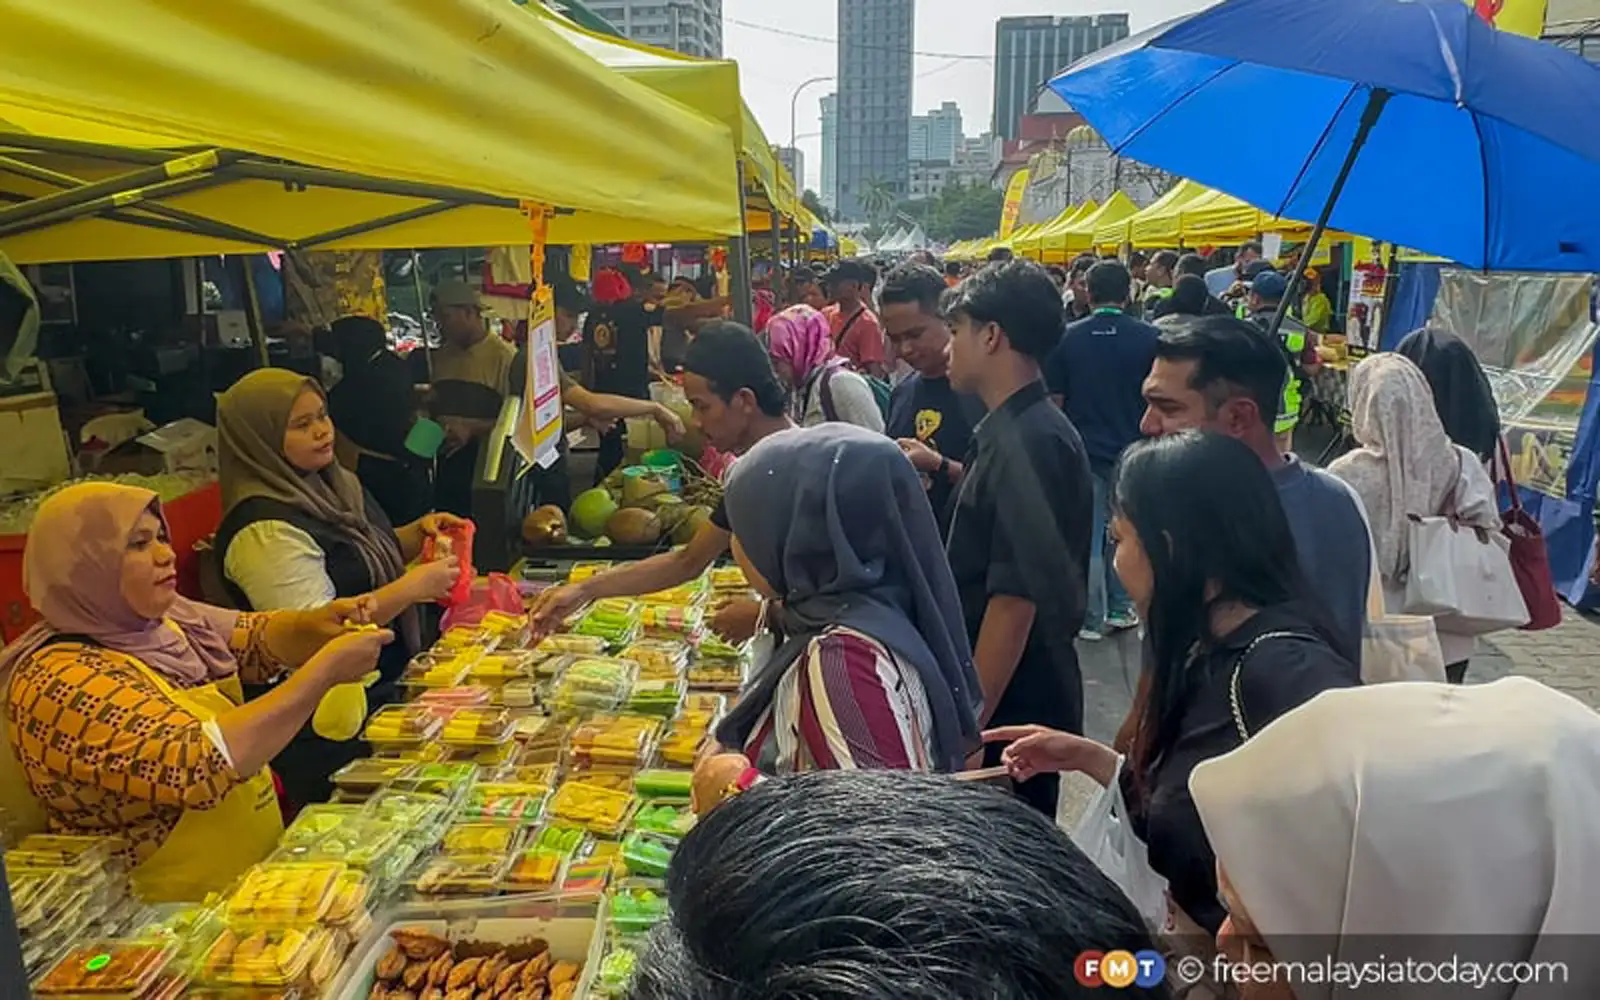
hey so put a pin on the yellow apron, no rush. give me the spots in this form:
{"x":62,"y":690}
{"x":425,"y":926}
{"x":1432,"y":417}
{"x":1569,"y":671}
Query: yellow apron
{"x":207,"y":849}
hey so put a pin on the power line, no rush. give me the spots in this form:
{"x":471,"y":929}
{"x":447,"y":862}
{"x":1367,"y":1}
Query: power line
{"x":770,"y":29}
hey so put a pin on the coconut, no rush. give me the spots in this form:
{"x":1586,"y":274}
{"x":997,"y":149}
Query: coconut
{"x":631,"y":526}
{"x":545,"y":526}
{"x":591,"y":510}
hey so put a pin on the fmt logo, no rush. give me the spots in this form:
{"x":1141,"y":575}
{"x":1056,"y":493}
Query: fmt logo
{"x":1118,"y":969}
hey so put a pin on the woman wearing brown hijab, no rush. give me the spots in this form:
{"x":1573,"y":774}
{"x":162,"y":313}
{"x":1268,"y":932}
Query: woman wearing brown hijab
{"x":298,"y":530}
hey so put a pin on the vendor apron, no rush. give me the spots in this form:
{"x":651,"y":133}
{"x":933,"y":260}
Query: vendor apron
{"x":208,"y":848}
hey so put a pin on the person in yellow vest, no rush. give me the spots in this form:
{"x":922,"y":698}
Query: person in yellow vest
{"x":124,"y":715}
{"x":1316,"y":309}
{"x":1300,"y":344}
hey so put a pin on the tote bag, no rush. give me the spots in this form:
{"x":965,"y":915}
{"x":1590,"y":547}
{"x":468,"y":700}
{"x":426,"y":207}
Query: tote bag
{"x":1530,"y":559}
{"x":1395,"y":647}
{"x":1460,"y":574}
{"x":1105,"y":833}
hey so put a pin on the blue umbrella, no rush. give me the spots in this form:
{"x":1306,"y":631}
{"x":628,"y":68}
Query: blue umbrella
{"x":1410,"y":121}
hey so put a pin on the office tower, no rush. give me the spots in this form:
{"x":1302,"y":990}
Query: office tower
{"x":693,"y":27}
{"x":936,"y":135}
{"x":794,"y":161}
{"x":1028,"y":51}
{"x":874,"y":75}
{"x":830,"y":152}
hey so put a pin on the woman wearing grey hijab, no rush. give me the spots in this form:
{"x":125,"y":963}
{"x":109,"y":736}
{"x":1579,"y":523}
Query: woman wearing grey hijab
{"x":875,"y":671}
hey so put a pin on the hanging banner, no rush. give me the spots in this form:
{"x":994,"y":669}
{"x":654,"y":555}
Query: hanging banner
{"x":537,"y":435}
{"x":1364,"y":310}
{"x":1012,"y":208}
{"x":1520,"y":17}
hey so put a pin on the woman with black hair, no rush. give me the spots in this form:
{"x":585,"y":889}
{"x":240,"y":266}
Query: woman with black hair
{"x":1189,"y":299}
{"x":883,"y":885}
{"x":1233,"y":639}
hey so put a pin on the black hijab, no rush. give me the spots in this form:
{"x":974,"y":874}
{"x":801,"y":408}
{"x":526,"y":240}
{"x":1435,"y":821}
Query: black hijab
{"x":837,"y":521}
{"x":1461,"y":391}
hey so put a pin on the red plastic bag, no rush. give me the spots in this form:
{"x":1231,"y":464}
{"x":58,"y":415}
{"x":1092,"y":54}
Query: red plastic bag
{"x":495,"y":592}
{"x":456,"y":541}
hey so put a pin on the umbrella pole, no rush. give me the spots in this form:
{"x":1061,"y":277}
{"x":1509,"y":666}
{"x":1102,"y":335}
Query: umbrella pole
{"x":1369,"y":117}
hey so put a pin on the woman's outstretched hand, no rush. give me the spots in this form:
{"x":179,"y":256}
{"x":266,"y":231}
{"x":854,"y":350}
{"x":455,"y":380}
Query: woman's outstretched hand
{"x":1035,"y":750}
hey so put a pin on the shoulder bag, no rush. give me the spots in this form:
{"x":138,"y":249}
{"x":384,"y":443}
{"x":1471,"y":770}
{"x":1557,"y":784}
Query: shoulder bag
{"x":1530,"y":559}
{"x":1235,"y":687}
{"x":1461,"y":575}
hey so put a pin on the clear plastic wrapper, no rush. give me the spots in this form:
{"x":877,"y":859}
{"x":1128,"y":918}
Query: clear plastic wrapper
{"x":626,"y":741}
{"x":508,"y":628}
{"x":692,"y":592}
{"x":661,"y":783}
{"x":37,"y":897}
{"x":82,"y":855}
{"x":614,"y":619}
{"x":567,"y":644}
{"x":476,"y":727}
{"x":283,"y":893}
{"x":729,"y":577}
{"x":647,"y":854}
{"x":637,"y":905}
{"x":659,"y":659}
{"x":659,"y":699}
{"x":363,"y":777}
{"x":535,"y":870}
{"x":671,"y":819}
{"x":582,"y":571}
{"x":448,"y":779}
{"x":528,"y":774}
{"x":316,"y":822}
{"x":474,"y":640}
{"x":420,"y":814}
{"x":523,"y":692}
{"x":447,"y":700}
{"x":451,"y":876}
{"x":106,"y":968}
{"x":401,"y":726}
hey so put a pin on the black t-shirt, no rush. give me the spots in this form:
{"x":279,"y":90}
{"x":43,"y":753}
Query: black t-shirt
{"x":1280,"y":674}
{"x":616,"y":339}
{"x":719,"y":514}
{"x":1020,"y":526}
{"x":931,"y":411}
{"x":1098,"y":370}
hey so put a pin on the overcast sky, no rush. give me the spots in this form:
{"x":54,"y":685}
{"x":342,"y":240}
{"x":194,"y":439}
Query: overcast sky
{"x":761,"y":35}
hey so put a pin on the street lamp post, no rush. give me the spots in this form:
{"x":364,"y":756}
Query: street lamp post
{"x":794,"y":103}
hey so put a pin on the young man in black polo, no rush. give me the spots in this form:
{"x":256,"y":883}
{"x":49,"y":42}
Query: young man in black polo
{"x":930,"y":420}
{"x":1096,"y":374}
{"x":1019,"y":533}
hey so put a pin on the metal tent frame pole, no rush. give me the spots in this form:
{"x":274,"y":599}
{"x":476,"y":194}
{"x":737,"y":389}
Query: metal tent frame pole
{"x":739,"y":265}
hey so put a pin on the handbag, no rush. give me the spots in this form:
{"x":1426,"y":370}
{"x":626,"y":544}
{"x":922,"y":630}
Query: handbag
{"x":1530,"y":558}
{"x":1396,"y":647}
{"x":1105,"y":833}
{"x":1460,"y":574}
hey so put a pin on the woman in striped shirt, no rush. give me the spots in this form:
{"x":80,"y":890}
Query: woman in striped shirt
{"x":876,"y":671}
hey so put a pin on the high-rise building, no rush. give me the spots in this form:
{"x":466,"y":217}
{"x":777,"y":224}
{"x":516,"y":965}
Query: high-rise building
{"x":794,"y":161}
{"x":874,"y":75}
{"x":830,"y":152}
{"x":976,"y":158}
{"x":693,"y":27}
{"x":935,"y":135}
{"x":1028,"y":51}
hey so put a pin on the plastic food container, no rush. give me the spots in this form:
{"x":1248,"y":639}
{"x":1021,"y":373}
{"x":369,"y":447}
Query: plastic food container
{"x":603,"y":811}
{"x":595,"y":684}
{"x":663,"y":818}
{"x":637,"y":905}
{"x":476,"y":727}
{"x":306,"y":956}
{"x":658,"y":783}
{"x":614,"y":740}
{"x":647,"y":854}
{"x":498,"y":668}
{"x":447,"y":700}
{"x":659,"y":659}
{"x":439,"y":668}
{"x":475,"y":639}
{"x":505,"y":626}
{"x":317,"y":821}
{"x":35,"y":898}
{"x":421,"y":815}
{"x":401,"y":726}
{"x":614,"y":619}
{"x":368,"y":775}
{"x":535,"y":870}
{"x":581,"y":571}
{"x":729,"y":578}
{"x":692,"y":592}
{"x":522,"y":692}
{"x":528,"y":775}
{"x":287,"y":894}
{"x":656,"y":698}
{"x":446,"y":875}
{"x":49,"y":851}
{"x":106,"y":969}
{"x":715,"y":674}
{"x":565,"y":643}
{"x":503,"y":801}
{"x":672,"y":620}
{"x":446,"y":778}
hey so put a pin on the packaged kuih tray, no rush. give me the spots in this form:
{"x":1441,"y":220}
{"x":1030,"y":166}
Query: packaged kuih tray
{"x":625,"y":741}
{"x":658,"y":659}
{"x":448,"y":875}
{"x":602,"y":811}
{"x":503,"y":666}
{"x":106,"y":969}
{"x":307,"y":956}
{"x":672,"y":620}
{"x":283,"y":893}
{"x":440,"y":668}
{"x":506,"y":801}
{"x":476,"y":727}
{"x":401,"y":726}
{"x":368,"y":775}
{"x":594,"y":684}
{"x":567,"y":643}
{"x":482,"y":840}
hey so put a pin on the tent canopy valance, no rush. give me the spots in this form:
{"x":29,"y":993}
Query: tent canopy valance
{"x":138,"y":128}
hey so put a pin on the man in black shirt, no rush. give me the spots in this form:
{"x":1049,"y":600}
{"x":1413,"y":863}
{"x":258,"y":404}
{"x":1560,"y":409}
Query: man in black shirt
{"x":1097,"y":374}
{"x":621,"y":341}
{"x":1019,"y":533}
{"x":931,"y":421}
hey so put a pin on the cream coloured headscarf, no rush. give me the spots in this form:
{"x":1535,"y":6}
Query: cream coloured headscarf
{"x":1411,"y":817}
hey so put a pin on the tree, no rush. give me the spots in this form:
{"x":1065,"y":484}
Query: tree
{"x":959,"y":212}
{"x":877,"y":199}
{"x":814,"y":203}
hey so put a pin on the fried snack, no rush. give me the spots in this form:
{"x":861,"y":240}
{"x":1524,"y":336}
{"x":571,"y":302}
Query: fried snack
{"x":509,"y":976}
{"x":565,"y":991}
{"x":490,"y":970}
{"x":439,"y":971}
{"x":535,"y":972}
{"x":416,"y":975}
{"x":420,"y":944}
{"x":432,"y":993}
{"x":464,"y":975}
{"x":390,"y":966}
{"x":562,"y":972}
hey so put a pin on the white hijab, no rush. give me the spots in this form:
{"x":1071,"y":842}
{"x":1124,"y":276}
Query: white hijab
{"x":1406,"y":464}
{"x":1422,"y":815}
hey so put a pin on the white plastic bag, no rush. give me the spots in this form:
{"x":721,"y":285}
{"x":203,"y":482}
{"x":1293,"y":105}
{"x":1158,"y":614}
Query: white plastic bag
{"x":1106,"y":835}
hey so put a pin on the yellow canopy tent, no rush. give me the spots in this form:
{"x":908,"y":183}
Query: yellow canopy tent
{"x":1071,"y":215}
{"x":1215,"y":217}
{"x":709,"y":86}
{"x":140,"y":128}
{"x":1025,"y":241}
{"x":1157,"y":224}
{"x":1079,"y":236}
